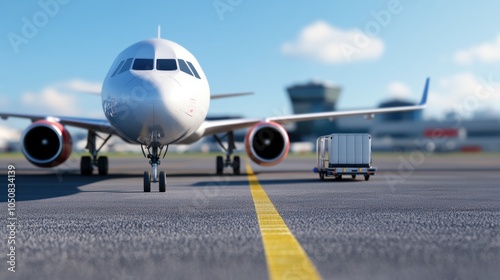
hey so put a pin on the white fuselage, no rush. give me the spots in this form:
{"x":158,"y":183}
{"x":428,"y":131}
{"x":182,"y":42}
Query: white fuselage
{"x":155,"y":93}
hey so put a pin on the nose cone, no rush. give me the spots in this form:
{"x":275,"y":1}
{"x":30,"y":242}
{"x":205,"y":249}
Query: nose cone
{"x":146,"y":110}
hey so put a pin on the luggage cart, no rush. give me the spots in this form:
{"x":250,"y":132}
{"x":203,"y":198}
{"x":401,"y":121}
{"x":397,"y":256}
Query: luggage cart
{"x":344,"y":154}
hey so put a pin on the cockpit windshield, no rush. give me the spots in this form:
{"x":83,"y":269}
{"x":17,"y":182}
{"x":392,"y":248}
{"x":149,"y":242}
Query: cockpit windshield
{"x":143,"y":64}
{"x":184,"y":67}
{"x":193,"y":69}
{"x":166,"y":64}
{"x":162,"y":64}
{"x":126,"y":66}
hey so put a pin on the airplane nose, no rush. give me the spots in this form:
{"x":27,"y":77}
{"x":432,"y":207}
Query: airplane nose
{"x":142,"y":90}
{"x":153,"y":105}
{"x":148,"y":109}
{"x":152,"y":88}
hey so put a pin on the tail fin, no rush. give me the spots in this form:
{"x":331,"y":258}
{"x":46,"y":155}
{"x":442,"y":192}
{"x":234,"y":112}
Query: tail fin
{"x":423,"y":102}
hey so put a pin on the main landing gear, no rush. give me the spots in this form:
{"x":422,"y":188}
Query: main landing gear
{"x":220,"y":162}
{"x":154,"y":154}
{"x":87,"y":163}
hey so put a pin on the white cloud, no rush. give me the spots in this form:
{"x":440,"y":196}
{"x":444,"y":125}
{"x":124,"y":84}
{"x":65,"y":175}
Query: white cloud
{"x":52,"y":99}
{"x":328,"y":44}
{"x":59,"y":98}
{"x":464,"y":93}
{"x":81,"y":86}
{"x":488,"y":52}
{"x":399,"y":90}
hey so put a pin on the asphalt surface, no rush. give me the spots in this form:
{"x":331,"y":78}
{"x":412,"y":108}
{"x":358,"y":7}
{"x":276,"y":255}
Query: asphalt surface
{"x":420,"y":217}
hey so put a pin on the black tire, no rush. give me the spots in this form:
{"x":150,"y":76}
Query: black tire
{"x":86,"y":166}
{"x":102,"y":166}
{"x":321,"y":176}
{"x":163,"y":182}
{"x":236,"y":165}
{"x":147,"y":182}
{"x":367,"y":177}
{"x":219,"y":165}
{"x":338,"y":177}
{"x":353,"y":176}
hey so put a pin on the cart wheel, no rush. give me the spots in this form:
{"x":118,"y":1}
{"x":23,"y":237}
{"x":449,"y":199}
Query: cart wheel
{"x":353,"y":176}
{"x":321,"y":176}
{"x":367,"y":177}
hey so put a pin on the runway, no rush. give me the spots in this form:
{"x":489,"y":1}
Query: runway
{"x":422,"y":216}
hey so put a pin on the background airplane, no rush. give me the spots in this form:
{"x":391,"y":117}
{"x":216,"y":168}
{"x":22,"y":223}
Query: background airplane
{"x":155,"y":95}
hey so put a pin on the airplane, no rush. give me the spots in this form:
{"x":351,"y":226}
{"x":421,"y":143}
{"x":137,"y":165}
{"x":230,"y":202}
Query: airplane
{"x":154,"y":95}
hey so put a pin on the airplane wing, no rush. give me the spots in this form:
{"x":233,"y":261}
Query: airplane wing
{"x":213,"y":127}
{"x":228,"y":95}
{"x":96,"y":125}
{"x":220,"y":126}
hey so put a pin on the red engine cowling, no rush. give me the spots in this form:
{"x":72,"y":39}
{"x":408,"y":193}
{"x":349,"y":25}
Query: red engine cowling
{"x":267,"y":143}
{"x":46,"y":144}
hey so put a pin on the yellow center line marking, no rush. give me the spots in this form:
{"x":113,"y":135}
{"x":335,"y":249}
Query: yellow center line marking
{"x":285,"y":258}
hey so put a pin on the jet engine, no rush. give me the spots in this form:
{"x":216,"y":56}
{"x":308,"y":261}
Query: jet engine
{"x":46,"y":144}
{"x":267,"y":143}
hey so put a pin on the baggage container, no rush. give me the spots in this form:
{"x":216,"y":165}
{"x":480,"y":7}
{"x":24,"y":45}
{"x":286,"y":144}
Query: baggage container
{"x":344,"y":154}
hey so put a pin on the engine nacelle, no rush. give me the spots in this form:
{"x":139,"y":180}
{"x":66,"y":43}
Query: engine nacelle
{"x":46,"y":144}
{"x":267,"y":143}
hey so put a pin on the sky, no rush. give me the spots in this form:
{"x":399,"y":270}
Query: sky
{"x":54,"y":54}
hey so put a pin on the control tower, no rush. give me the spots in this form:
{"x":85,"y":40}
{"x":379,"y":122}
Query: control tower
{"x":314,"y":97}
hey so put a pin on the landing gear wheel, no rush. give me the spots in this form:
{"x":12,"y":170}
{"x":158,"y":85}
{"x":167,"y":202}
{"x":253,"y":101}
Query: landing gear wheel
{"x":322,"y":176}
{"x":147,"y":182}
{"x":353,"y":176}
{"x":86,"y":166}
{"x":367,"y":177}
{"x":163,"y":184}
{"x":236,"y":165}
{"x":87,"y":163}
{"x":219,"y":164}
{"x":102,"y":165}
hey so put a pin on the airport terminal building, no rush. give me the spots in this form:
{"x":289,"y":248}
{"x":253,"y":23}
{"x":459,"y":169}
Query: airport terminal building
{"x":313,"y":97}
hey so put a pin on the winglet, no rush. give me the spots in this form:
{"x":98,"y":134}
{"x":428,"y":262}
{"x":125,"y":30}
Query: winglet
{"x":423,"y":102}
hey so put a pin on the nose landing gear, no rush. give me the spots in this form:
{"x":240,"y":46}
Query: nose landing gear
{"x":154,"y":154}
